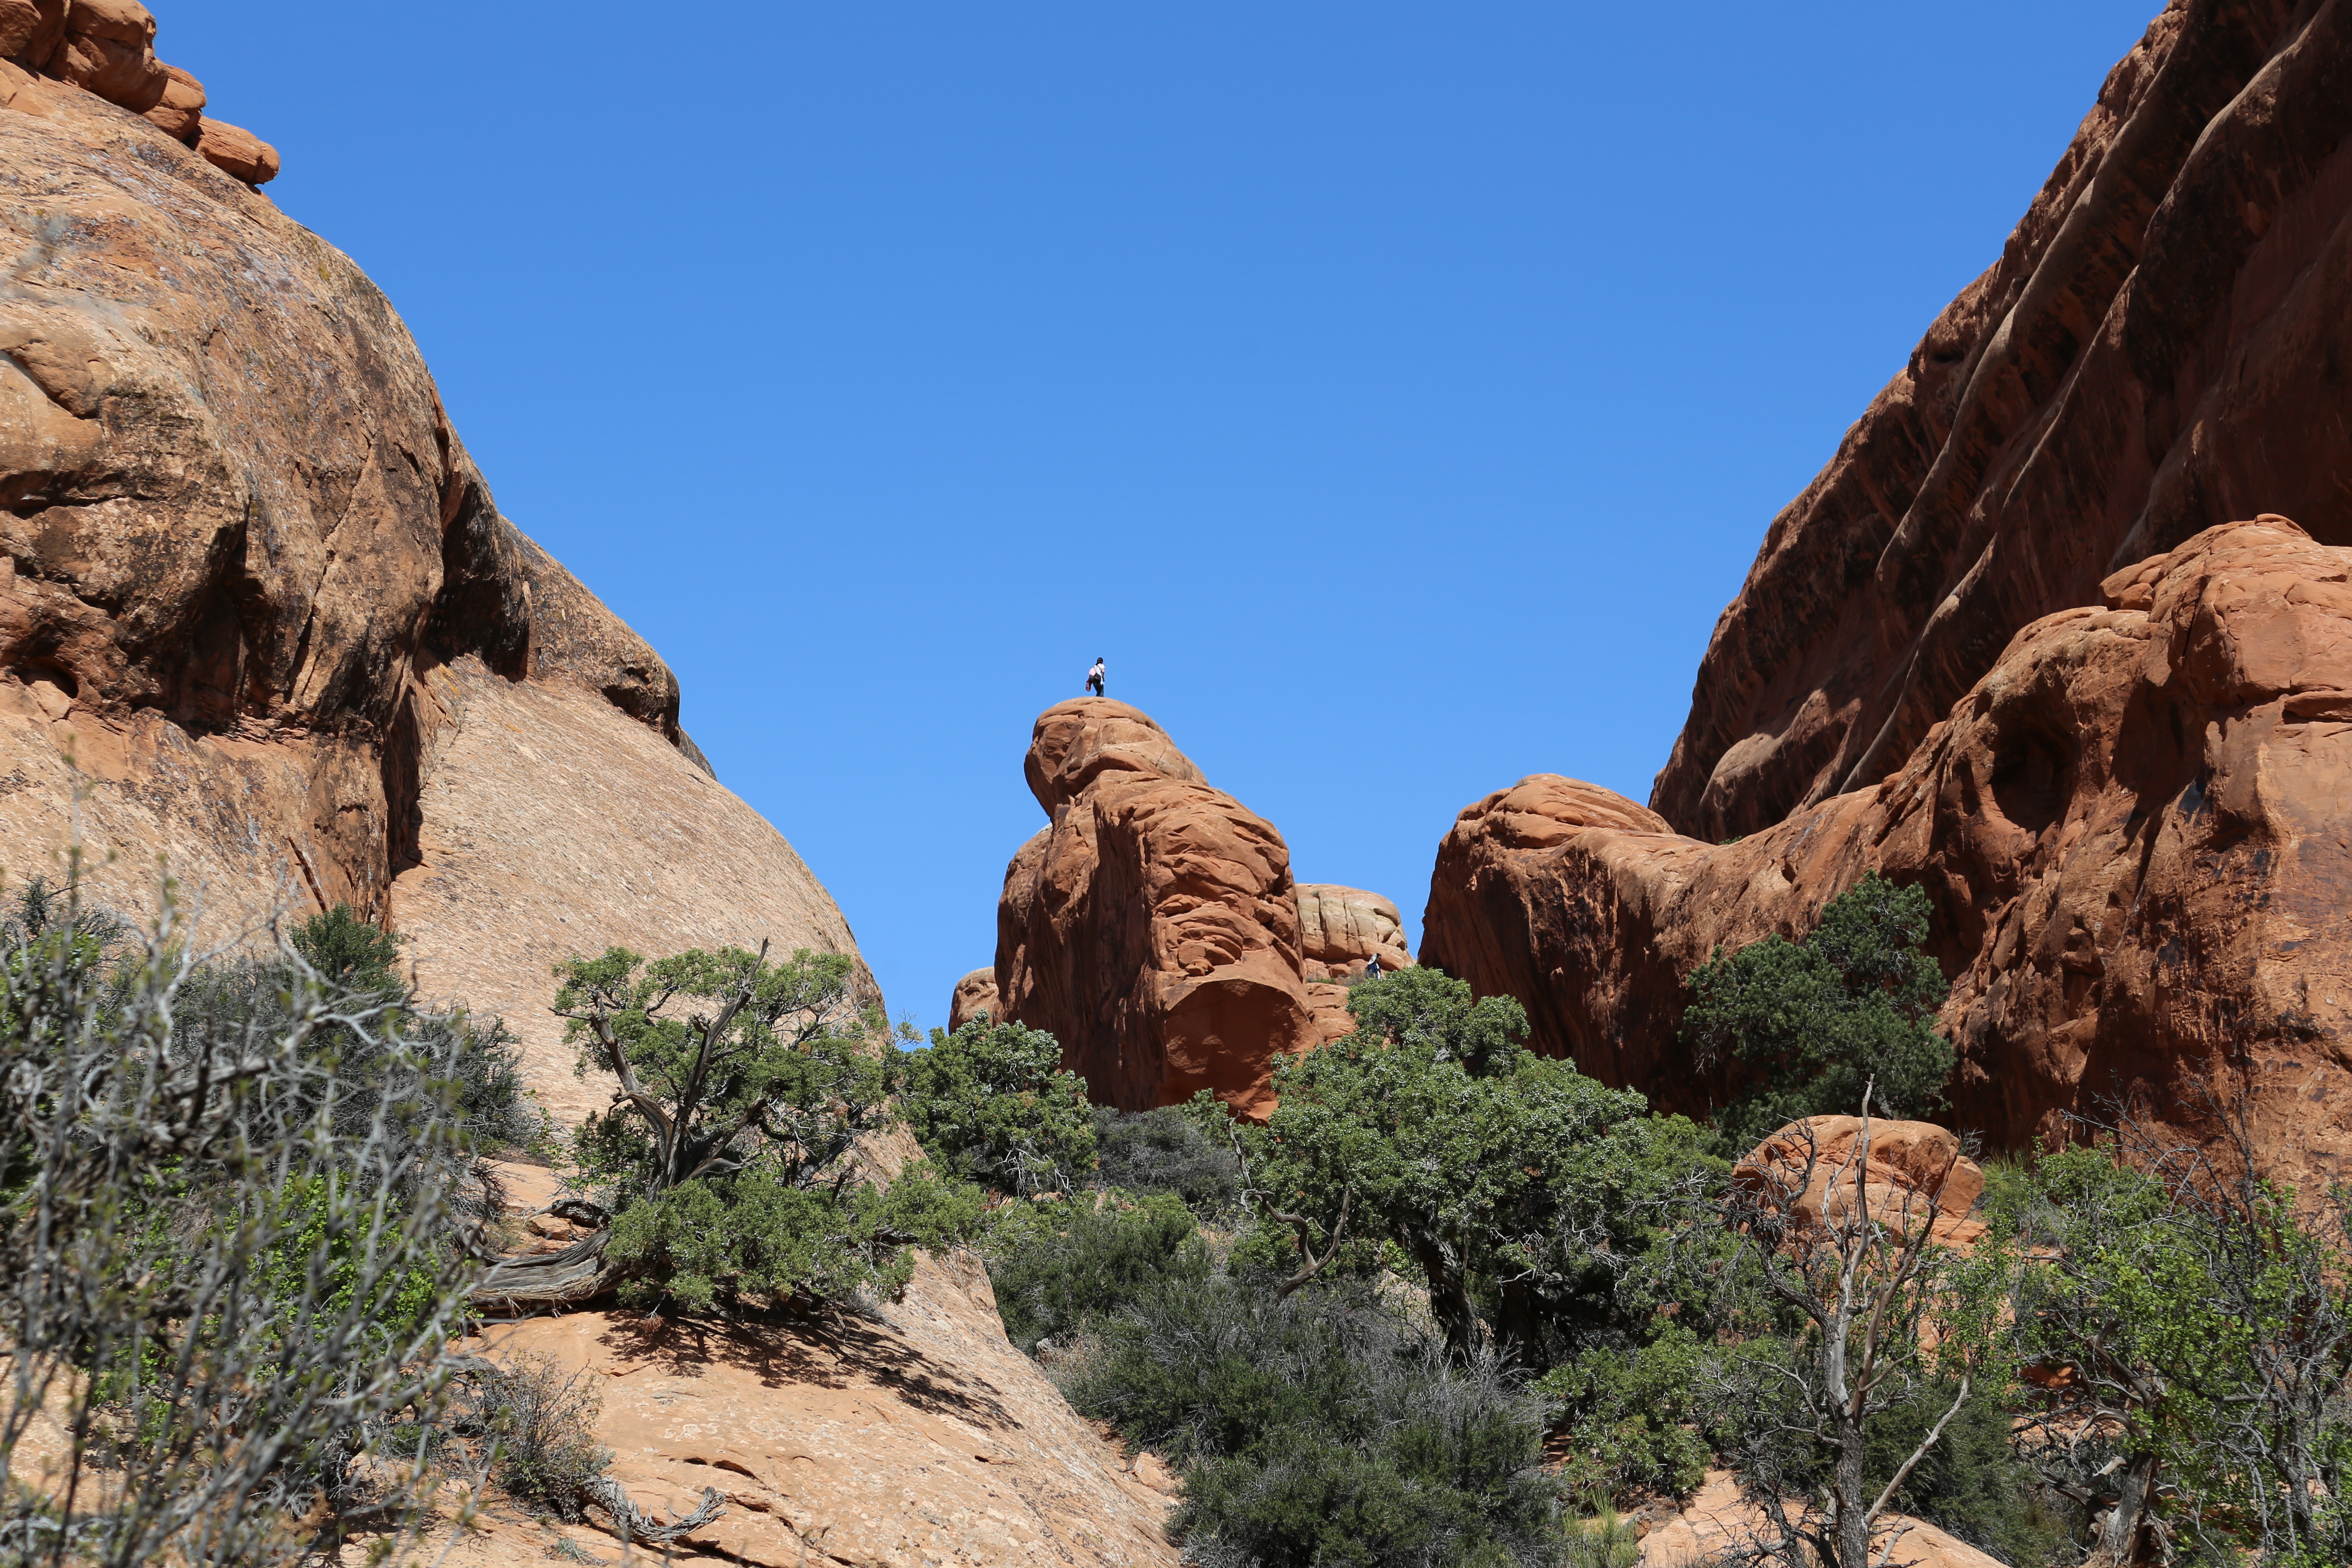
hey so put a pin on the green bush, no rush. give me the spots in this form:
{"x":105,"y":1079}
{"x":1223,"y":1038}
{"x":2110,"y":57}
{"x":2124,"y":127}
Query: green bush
{"x":992,"y":1104}
{"x":1166,"y":1150}
{"x":1058,"y":1265}
{"x":1812,"y":1022}
{"x":1322,"y":1429}
{"x":1629,"y":1419}
{"x":730,"y":1164}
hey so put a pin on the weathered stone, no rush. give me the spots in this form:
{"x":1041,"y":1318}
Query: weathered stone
{"x":2130,"y":830}
{"x":237,"y":151}
{"x":1153,"y":928}
{"x":181,"y":111}
{"x":975,"y":994}
{"x":1342,"y":928}
{"x":2158,"y":349}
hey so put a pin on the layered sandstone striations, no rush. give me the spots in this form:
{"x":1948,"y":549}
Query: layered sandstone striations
{"x":2159,"y":349}
{"x":1153,"y":927}
{"x":2131,"y":828}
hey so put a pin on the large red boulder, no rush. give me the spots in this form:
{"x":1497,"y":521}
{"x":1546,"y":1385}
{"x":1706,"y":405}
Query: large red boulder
{"x":2158,"y":349}
{"x":1153,"y":927}
{"x":2132,"y":829}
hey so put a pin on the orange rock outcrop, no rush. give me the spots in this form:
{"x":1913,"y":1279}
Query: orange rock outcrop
{"x":107,"y":48}
{"x":1906,"y":1174}
{"x":1153,"y":927}
{"x":2130,"y":828}
{"x":1342,"y":930}
{"x":2157,"y":351}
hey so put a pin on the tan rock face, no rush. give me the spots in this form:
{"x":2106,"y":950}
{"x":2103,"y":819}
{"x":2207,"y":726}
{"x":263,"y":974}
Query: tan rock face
{"x":1905,"y":1173}
{"x":2130,"y":829}
{"x":919,"y":1437}
{"x":1341,"y":929}
{"x":1153,"y":928}
{"x":1717,"y":1519}
{"x":975,"y":994}
{"x":180,"y":111}
{"x":237,"y":152}
{"x":31,"y":30}
{"x":2156,"y":352}
{"x":110,"y":50}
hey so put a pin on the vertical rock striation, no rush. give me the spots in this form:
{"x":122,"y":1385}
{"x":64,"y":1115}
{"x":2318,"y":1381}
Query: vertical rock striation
{"x":2160,"y":348}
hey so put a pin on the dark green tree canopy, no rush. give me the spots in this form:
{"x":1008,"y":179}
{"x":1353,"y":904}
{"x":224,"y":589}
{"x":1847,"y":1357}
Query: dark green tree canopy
{"x":1813,"y":1022}
{"x":992,"y":1104}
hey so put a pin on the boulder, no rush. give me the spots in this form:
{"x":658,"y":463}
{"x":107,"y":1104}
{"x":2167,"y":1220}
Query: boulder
{"x":2156,"y":350}
{"x":1153,"y":927}
{"x":1906,"y":1174}
{"x":975,"y":994}
{"x":237,"y":152}
{"x":31,"y":30}
{"x":2130,"y":831}
{"x":110,"y":50}
{"x":1341,"y":928}
{"x":181,"y":110}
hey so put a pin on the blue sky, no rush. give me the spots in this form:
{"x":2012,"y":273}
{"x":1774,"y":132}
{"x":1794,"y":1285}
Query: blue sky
{"x":1394,"y":394}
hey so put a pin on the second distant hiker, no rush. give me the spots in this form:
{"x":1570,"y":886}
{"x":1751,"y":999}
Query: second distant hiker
{"x":1094,"y":678}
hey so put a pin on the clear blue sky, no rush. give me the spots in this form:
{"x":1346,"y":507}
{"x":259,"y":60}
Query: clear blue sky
{"x":1394,"y":394}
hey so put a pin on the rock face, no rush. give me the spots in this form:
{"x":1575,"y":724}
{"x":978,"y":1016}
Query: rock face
{"x":915,"y":1436}
{"x":2131,"y":829}
{"x":1152,"y":928}
{"x":1342,"y":928}
{"x":2158,"y":349}
{"x":107,"y":48}
{"x":259,"y":615}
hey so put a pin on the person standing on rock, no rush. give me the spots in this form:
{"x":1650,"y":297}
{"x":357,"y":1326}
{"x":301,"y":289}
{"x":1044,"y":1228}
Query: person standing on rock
{"x":1095,"y":677}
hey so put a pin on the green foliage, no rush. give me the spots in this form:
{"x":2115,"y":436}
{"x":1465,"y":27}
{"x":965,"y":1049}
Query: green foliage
{"x":351,"y":953}
{"x":1812,"y":1022}
{"x":1322,"y":1429}
{"x":1170,"y":1151}
{"x":1971,"y":1482}
{"x":1532,"y":1200}
{"x":1604,"y":1541}
{"x":1059,"y":1266}
{"x":728,"y":1162}
{"x":992,"y":1104}
{"x":1630,"y":1417}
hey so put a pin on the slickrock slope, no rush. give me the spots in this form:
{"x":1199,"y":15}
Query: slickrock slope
{"x":2132,"y":829}
{"x":1152,"y":928}
{"x":2160,"y":348}
{"x":919,"y":1437}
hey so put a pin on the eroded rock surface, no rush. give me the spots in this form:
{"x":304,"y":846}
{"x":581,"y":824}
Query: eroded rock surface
{"x":2131,"y":829}
{"x":916,"y":1437}
{"x":1153,"y":927}
{"x":2158,"y":349}
{"x":107,"y":48}
{"x":1340,"y":930}
{"x":1905,"y":1173}
{"x":975,"y":994}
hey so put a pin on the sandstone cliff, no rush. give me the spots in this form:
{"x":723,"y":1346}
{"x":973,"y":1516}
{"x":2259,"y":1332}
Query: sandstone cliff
{"x":107,"y":48}
{"x":2159,"y":349}
{"x":2131,"y":828}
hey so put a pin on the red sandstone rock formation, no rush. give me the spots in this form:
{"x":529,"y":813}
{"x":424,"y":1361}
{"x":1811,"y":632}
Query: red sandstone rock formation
{"x":107,"y":48}
{"x":1152,"y":928}
{"x":1342,"y":928}
{"x":2131,"y":828}
{"x":2159,"y":349}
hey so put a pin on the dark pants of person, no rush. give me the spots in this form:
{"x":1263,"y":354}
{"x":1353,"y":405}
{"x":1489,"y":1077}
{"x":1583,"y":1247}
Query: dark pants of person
{"x":1095,"y":684}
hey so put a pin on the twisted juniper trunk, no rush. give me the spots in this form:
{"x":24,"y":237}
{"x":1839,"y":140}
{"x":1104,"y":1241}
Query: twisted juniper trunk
{"x":2118,"y":1545}
{"x":580,"y":1273}
{"x":1449,"y":1293}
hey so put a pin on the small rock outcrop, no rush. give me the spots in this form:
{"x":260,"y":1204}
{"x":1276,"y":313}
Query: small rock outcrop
{"x":107,"y":48}
{"x":1153,"y":927}
{"x":1340,"y":930}
{"x":2158,"y":349}
{"x":2130,"y":830}
{"x":1908,"y":1173}
{"x":975,"y":994}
